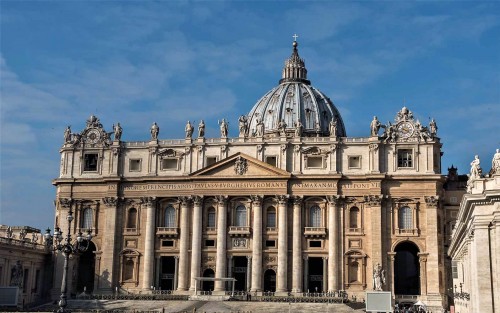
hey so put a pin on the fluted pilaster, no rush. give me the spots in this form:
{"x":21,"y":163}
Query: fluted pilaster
{"x":257,"y":244}
{"x":220,"y":265}
{"x":196,"y":245}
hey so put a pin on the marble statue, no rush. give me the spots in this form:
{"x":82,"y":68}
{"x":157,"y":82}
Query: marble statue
{"x":67,"y":134}
{"x":495,"y":163}
{"x":201,"y":129}
{"x":189,"y":130}
{"x":375,"y":126}
{"x":259,"y":131}
{"x":433,"y":128}
{"x":117,"y":131}
{"x":333,"y":127}
{"x":243,"y":125}
{"x":155,"y":130}
{"x":16,"y":276}
{"x":282,"y":127}
{"x":378,"y":277}
{"x":223,"y":128}
{"x":475,"y":168}
{"x":10,"y":233}
{"x":298,"y":128}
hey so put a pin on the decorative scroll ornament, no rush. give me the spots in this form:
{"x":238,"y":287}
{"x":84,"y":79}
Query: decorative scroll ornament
{"x":239,"y":243}
{"x":407,"y":129}
{"x":373,"y":147}
{"x":110,"y":201}
{"x":93,"y":135}
{"x":170,"y":153}
{"x":65,"y":202}
{"x":240,"y":166}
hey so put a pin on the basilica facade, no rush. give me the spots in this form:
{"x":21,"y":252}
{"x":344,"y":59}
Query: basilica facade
{"x":291,"y":204}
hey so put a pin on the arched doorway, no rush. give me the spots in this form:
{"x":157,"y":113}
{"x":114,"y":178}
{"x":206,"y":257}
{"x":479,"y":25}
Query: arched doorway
{"x":406,"y":269}
{"x":208,"y":285}
{"x":270,"y":280}
{"x":86,"y":270}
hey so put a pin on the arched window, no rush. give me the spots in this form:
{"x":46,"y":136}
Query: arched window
{"x":169,"y":217}
{"x":353,"y":217}
{"x":87,"y":218}
{"x":241,"y":216}
{"x":315,"y":216}
{"x":271,"y":217}
{"x":353,"y":272}
{"x":128,"y":270}
{"x":405,"y":218}
{"x":132,"y":218}
{"x":211,"y":217}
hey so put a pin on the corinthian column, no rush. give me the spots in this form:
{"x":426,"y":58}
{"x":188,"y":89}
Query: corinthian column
{"x":220,"y":265}
{"x":282,"y":244}
{"x":184,"y":244}
{"x":257,"y":244}
{"x":149,"y":241}
{"x":297,"y":246}
{"x":196,"y":246}
{"x":333,"y":239}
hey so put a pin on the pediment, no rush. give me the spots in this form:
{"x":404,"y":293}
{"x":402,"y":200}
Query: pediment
{"x":240,"y":165}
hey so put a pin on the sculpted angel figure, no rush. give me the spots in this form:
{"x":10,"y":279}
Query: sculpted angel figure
{"x":189,"y":129}
{"x":375,"y":126}
{"x":155,"y":130}
{"x":201,"y":129}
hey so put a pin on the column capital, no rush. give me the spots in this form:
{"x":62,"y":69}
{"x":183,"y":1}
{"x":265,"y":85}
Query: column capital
{"x":149,"y":201}
{"x":185,"y":200}
{"x":65,"y":202}
{"x":422,"y":257}
{"x":197,"y":200}
{"x":334,"y":199}
{"x":282,"y":199}
{"x":256,"y":199}
{"x":297,"y":200}
{"x":110,"y":201}
{"x":221,"y":199}
{"x":374,"y":200}
{"x":249,"y":257}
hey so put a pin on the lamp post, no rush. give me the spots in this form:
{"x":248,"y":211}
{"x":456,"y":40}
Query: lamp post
{"x":56,"y":242}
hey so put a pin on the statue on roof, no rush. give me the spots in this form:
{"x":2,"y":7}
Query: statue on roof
{"x":375,"y":126}
{"x":117,"y":129}
{"x":223,"y":128}
{"x":282,"y":127}
{"x":67,"y":134}
{"x":155,"y":130}
{"x":201,"y":129}
{"x":298,"y":128}
{"x":189,"y":130}
{"x":259,"y":129}
{"x":433,"y":128}
{"x":333,"y":127}
{"x":475,"y":168}
{"x":243,"y":125}
{"x":495,"y":163}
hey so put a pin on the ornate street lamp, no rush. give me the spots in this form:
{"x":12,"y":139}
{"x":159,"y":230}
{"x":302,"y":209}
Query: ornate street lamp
{"x":56,"y":242}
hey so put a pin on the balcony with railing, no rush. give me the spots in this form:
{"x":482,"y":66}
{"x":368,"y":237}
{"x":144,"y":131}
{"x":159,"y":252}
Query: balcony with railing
{"x":130,"y":231}
{"x":354,"y":231}
{"x":407,"y":231}
{"x":236,"y":231}
{"x":314,"y":231}
{"x":167,"y":231}
{"x":272,"y":230}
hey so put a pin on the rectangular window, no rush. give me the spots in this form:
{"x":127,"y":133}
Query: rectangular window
{"x":405,"y":158}
{"x":314,"y":244}
{"x":271,"y":160}
{"x":90,"y":162}
{"x":211,"y":160}
{"x":169,"y":164}
{"x":25,"y":280}
{"x":270,"y":243}
{"x":135,"y":165}
{"x":209,"y":243}
{"x":37,"y":281}
{"x":315,"y":162}
{"x":454,"y":269}
{"x":167,"y":243}
{"x":354,"y":161}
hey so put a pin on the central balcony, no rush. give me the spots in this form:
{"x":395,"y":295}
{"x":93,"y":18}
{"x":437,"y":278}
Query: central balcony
{"x":314,"y":231}
{"x":239,"y":231}
{"x":167,"y":231}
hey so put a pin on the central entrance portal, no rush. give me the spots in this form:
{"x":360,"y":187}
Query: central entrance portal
{"x":167,"y":273}
{"x":240,"y":265}
{"x":315,"y":279}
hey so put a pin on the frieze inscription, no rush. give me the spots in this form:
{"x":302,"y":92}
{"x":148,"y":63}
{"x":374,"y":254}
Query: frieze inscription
{"x":210,"y":185}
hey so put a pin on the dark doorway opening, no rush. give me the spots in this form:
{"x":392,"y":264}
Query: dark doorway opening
{"x":208,"y":285}
{"x":407,"y":269}
{"x":270,"y":280}
{"x":315,"y":278}
{"x":86,"y":270}
{"x":167,"y":273}
{"x":240,"y":265}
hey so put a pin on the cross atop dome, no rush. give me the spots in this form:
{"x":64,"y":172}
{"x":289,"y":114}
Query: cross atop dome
{"x":295,"y":69}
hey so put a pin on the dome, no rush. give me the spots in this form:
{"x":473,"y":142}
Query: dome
{"x":294,"y":99}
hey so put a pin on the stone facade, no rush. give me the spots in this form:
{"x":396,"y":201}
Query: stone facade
{"x":475,"y":246}
{"x":284,"y":207}
{"x":25,"y":262}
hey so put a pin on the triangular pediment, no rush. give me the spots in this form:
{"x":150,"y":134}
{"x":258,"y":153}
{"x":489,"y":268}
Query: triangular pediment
{"x":240,"y":165}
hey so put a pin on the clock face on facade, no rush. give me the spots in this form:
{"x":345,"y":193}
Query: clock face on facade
{"x":405,"y":129}
{"x":93,"y":136}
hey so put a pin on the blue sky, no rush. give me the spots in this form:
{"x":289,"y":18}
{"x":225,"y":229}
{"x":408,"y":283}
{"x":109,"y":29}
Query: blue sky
{"x":172,"y":61}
